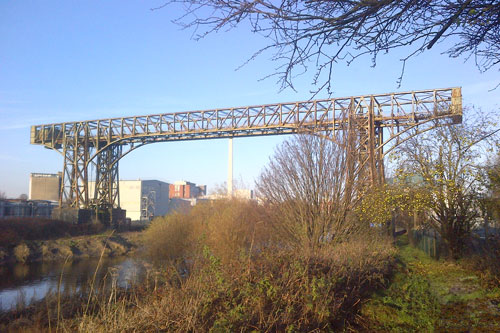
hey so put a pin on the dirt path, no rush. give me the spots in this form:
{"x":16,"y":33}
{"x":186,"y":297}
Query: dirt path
{"x":432,"y":296}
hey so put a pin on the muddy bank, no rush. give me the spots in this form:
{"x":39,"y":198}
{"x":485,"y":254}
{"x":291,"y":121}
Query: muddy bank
{"x":108,"y":244}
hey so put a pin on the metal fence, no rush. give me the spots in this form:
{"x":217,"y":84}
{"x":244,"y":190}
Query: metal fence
{"x":427,"y":241}
{"x":430,"y":242}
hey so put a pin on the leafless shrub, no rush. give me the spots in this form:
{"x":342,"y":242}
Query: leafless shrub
{"x":310,"y":186}
{"x":169,"y":237}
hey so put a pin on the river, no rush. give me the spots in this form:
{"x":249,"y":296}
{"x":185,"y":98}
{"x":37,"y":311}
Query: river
{"x":22,"y":284}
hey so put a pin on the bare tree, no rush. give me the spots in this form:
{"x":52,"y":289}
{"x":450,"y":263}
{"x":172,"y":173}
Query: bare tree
{"x":2,"y":195}
{"x":323,"y":32}
{"x":310,"y":187}
{"x":446,"y":164}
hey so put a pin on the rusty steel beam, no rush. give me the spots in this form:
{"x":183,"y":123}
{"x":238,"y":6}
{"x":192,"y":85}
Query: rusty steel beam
{"x":100,"y":144}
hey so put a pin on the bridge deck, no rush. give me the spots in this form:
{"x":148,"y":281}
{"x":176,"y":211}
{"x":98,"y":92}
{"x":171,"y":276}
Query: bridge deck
{"x":390,"y":110}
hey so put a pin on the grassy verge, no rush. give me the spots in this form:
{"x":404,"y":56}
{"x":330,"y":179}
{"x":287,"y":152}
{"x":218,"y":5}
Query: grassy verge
{"x":428,"y":295}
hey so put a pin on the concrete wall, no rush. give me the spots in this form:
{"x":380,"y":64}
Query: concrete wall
{"x":130,"y":198}
{"x":135,"y":195}
{"x":44,"y":186}
{"x":180,"y":205}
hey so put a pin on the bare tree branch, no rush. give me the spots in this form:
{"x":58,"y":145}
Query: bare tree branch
{"x":324,"y":32}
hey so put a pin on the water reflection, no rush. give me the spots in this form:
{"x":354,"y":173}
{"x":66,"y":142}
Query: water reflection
{"x":30,"y":282}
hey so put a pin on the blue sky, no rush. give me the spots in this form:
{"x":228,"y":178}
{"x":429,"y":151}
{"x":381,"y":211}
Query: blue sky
{"x":68,"y":60}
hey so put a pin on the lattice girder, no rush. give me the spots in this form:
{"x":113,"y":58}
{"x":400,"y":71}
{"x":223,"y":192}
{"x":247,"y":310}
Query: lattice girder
{"x":94,"y":144}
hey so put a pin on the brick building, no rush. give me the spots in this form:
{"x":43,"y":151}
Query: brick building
{"x":186,"y":190}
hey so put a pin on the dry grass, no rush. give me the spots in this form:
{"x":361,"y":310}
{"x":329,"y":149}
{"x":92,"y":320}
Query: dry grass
{"x":275,"y":291}
{"x":227,"y":227}
{"x":221,"y":270}
{"x":226,"y":274}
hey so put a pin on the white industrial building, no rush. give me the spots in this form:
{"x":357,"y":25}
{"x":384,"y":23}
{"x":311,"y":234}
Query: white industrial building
{"x":142,"y":199}
{"x":244,"y":194}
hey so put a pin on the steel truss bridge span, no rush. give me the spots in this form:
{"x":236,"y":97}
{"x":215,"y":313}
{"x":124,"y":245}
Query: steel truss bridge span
{"x":100,"y":144}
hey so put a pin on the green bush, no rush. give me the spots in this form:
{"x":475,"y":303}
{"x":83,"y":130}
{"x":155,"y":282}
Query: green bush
{"x":408,"y":305}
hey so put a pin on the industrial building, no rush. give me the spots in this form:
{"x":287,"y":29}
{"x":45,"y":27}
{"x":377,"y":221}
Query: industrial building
{"x":241,"y":194}
{"x":25,"y":208}
{"x":142,"y":199}
{"x":244,"y":194}
{"x":186,"y":190}
{"x":45,"y":186}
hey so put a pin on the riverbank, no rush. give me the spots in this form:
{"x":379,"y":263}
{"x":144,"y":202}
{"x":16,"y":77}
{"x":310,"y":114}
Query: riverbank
{"x":107,"y":244}
{"x":272,"y":290}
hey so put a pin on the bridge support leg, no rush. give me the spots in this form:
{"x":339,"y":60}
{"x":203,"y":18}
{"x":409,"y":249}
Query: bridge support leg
{"x":106,"y":191}
{"x":374,"y":147}
{"x":368,"y":135}
{"x":74,"y":183}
